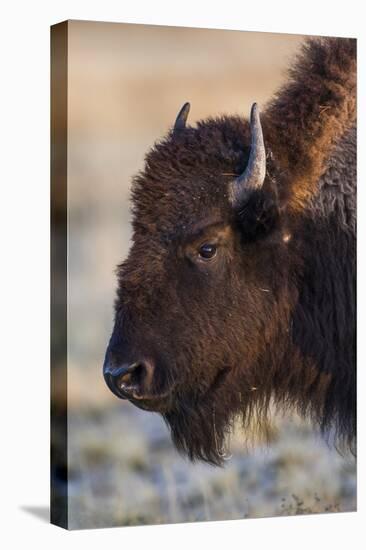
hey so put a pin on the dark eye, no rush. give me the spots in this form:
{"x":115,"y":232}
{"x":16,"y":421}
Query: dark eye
{"x":207,"y":251}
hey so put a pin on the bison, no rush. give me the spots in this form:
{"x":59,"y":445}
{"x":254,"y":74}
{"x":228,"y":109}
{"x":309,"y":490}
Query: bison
{"x":239,"y":287}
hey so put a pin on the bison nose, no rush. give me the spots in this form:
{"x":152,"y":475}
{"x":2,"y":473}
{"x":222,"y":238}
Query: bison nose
{"x":129,"y":380}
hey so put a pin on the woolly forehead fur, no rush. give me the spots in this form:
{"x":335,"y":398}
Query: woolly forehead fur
{"x":187,"y":174}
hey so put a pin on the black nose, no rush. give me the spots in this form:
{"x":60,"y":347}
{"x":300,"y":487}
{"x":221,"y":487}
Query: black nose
{"x":128,"y":381}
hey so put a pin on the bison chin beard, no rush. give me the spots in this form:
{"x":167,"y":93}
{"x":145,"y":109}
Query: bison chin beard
{"x":201,"y":423}
{"x":199,"y":428}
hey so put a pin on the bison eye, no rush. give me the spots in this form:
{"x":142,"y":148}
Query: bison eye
{"x":207,"y":251}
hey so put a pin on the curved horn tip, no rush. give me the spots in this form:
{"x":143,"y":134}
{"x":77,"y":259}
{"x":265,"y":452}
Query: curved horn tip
{"x":253,"y":176}
{"x":254,"y":115}
{"x":180,"y":121}
{"x":254,"y":109}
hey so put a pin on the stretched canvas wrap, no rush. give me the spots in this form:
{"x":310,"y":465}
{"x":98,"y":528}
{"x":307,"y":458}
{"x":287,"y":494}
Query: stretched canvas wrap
{"x":203,"y":274}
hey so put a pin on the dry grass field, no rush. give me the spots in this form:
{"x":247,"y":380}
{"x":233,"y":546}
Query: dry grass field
{"x":125,"y":471}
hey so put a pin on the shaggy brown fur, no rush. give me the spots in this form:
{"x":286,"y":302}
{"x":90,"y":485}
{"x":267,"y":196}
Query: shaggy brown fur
{"x":321,"y":91}
{"x":271,"y":316}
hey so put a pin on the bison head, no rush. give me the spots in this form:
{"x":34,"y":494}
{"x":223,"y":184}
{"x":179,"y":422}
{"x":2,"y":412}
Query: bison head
{"x":203,"y":299}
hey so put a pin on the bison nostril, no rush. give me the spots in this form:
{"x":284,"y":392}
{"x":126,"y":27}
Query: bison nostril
{"x":129,"y":380}
{"x":112,"y":376}
{"x":138,"y":377}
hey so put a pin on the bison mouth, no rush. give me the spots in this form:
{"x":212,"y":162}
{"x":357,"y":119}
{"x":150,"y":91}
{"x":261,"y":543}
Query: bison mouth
{"x":153,"y":403}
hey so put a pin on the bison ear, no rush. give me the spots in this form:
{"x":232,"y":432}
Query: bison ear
{"x":180,"y":121}
{"x":260,"y":215}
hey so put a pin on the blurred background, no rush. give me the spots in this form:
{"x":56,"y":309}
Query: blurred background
{"x":126,"y":84}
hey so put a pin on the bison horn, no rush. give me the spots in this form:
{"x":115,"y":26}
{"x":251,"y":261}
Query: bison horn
{"x":180,"y":121}
{"x":253,"y":176}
